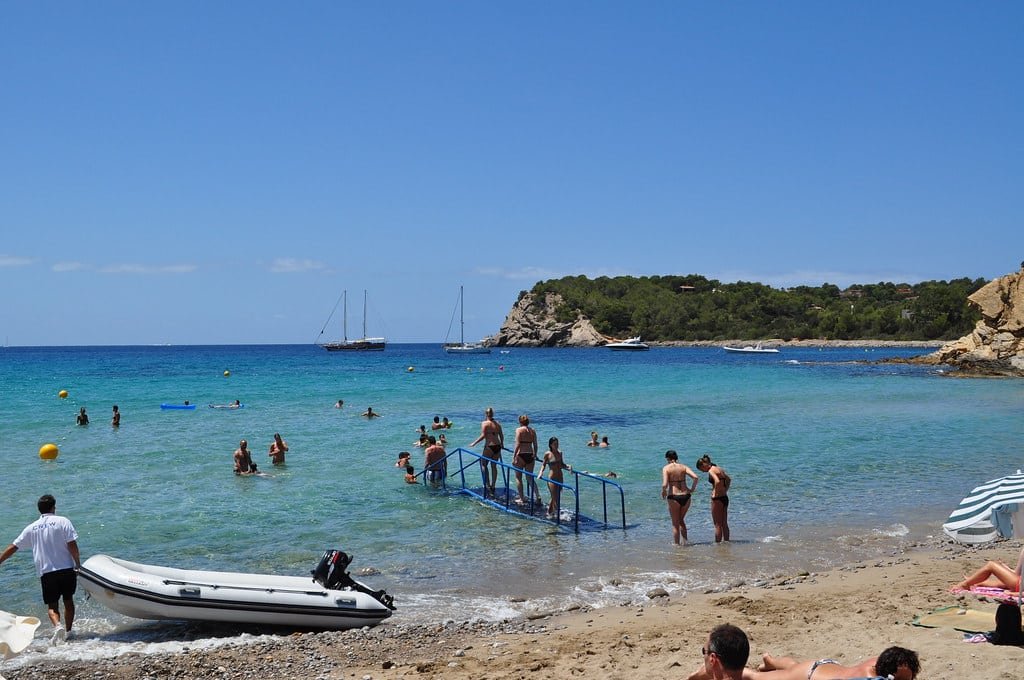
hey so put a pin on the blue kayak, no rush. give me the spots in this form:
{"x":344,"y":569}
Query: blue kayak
{"x":182,"y":407}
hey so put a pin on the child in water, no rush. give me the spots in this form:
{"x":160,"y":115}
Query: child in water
{"x":410,"y":471}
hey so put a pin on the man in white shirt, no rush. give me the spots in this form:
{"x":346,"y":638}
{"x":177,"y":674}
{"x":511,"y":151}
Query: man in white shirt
{"x":54,"y":544}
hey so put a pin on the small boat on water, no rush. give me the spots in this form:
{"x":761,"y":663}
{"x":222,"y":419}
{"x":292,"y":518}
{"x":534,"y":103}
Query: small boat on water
{"x":629,"y":345}
{"x":463,"y":347}
{"x":330,"y":600}
{"x":363,"y":344}
{"x":752,"y":349}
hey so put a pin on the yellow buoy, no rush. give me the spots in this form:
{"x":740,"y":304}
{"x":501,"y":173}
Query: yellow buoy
{"x":410,"y":369}
{"x":48,"y":451}
{"x":227,"y":374}
{"x":63,"y":394}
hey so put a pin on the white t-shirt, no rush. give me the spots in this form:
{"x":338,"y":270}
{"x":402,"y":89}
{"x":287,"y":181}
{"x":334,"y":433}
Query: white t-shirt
{"x":48,"y":537}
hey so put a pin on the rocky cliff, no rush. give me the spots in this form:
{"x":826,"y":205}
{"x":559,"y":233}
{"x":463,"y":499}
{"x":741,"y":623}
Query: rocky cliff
{"x":533,"y":323}
{"x":996,"y":346}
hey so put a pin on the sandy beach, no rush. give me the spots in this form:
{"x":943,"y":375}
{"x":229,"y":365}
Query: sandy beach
{"x":848,"y":613}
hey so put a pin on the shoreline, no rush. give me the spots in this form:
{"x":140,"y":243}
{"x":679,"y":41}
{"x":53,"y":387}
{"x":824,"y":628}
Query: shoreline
{"x":849,"y":612}
{"x":778,"y":342}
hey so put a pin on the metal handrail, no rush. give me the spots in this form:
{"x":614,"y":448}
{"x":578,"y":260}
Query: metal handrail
{"x":508,"y":469}
{"x":605,"y":483}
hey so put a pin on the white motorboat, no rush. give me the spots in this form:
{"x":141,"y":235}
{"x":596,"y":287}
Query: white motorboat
{"x":752,"y":349}
{"x":330,"y":600}
{"x":629,"y":345}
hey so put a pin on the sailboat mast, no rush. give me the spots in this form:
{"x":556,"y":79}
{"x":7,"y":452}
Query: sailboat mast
{"x":364,"y":312}
{"x":344,"y":323}
{"x":462,"y":320}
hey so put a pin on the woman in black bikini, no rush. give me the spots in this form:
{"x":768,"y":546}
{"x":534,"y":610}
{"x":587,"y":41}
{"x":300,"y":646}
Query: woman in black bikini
{"x":524,"y":456}
{"x":673,"y":489}
{"x":554,"y":461}
{"x":493,"y":438}
{"x":720,"y":482}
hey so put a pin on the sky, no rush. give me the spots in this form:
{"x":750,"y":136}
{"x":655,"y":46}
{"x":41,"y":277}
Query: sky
{"x":220,"y":172}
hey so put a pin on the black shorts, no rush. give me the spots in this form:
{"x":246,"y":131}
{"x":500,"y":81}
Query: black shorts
{"x":58,"y":585}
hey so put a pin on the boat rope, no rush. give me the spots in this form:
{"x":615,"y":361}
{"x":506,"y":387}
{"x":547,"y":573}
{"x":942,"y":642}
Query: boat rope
{"x":219,"y":586}
{"x":331,"y":316}
{"x":452,"y":320}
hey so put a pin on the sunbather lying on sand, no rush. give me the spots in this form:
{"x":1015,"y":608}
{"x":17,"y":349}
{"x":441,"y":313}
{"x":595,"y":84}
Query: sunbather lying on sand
{"x":994,"y":575}
{"x":897,"y":662}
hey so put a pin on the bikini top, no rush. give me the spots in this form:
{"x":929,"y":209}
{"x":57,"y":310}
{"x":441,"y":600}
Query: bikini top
{"x":553,"y":463}
{"x":726,"y":480}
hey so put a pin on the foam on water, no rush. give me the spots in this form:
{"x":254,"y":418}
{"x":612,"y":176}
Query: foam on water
{"x":894,"y":530}
{"x":92,"y":641}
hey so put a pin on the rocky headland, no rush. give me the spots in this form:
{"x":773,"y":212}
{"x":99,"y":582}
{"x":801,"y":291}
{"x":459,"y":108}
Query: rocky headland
{"x":534,"y":322}
{"x":540,"y":321}
{"x":996,"y":346}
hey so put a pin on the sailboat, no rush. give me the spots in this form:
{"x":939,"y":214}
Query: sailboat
{"x":462,"y":347}
{"x":363,"y":344}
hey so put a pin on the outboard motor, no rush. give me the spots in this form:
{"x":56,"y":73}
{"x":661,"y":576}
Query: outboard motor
{"x":331,"y":573}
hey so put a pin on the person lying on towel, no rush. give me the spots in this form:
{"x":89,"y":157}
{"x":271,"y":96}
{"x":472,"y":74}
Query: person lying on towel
{"x":995,"y":575}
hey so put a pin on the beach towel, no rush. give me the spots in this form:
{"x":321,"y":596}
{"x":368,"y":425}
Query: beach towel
{"x":986,"y":593}
{"x":957,"y":618}
{"x":16,"y":633}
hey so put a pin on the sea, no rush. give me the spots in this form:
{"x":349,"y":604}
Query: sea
{"x":835,"y":457}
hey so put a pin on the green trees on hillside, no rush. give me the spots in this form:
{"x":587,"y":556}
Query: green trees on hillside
{"x":693,"y":307}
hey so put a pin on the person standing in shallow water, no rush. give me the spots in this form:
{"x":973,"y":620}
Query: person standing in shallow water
{"x":720,"y":482}
{"x":494,"y":441}
{"x":243,"y":459}
{"x":675,"y":492}
{"x":115,"y":419}
{"x":83,"y":418}
{"x":278,"y":448}
{"x":433,"y":461}
{"x":524,"y":457}
{"x":554,"y":461}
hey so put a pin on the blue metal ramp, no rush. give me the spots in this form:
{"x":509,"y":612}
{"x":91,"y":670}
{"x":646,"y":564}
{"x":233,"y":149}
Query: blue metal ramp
{"x":505,"y":497}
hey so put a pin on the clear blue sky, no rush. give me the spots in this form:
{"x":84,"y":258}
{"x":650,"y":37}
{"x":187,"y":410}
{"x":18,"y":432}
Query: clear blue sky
{"x":218,"y":172}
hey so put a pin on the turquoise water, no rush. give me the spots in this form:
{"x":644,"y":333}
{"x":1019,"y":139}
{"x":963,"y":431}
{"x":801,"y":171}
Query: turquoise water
{"x":832,"y":461}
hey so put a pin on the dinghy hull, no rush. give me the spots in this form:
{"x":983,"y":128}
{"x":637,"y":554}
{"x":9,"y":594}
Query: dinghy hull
{"x":151,"y":592}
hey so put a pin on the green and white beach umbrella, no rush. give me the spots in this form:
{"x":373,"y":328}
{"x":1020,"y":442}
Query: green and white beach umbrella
{"x":989,"y":511}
